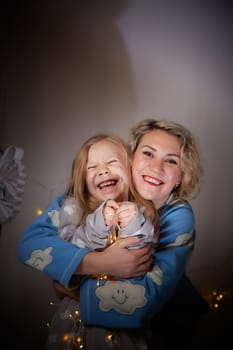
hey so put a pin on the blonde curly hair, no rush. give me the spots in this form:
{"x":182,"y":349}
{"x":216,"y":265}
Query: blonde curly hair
{"x":191,"y":163}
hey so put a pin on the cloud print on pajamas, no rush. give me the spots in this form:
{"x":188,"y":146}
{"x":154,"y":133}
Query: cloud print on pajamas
{"x":123,"y":297}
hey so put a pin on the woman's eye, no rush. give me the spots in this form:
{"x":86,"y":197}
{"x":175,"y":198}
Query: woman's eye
{"x":148,"y":154}
{"x":171,"y":161}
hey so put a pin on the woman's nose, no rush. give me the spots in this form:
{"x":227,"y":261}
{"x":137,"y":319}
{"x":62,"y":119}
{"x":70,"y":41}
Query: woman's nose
{"x":156,"y":164}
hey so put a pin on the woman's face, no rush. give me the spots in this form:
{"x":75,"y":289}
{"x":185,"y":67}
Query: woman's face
{"x":106,"y":173}
{"x":156,"y":166}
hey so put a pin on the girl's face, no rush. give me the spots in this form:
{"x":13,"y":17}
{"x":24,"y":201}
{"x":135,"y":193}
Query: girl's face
{"x":106,"y":172}
{"x":156,"y":166}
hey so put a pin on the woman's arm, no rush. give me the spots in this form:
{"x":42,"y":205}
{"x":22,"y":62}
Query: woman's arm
{"x":147,"y":294}
{"x":41,"y":248}
{"x":117,"y":260}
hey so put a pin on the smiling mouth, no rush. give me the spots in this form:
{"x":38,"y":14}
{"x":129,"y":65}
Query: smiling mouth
{"x":152,"y":180}
{"x":120,"y":301}
{"x":106,"y":184}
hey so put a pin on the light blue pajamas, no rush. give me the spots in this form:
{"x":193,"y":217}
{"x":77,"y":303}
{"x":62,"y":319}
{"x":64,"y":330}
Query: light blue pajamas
{"x":122,"y":303}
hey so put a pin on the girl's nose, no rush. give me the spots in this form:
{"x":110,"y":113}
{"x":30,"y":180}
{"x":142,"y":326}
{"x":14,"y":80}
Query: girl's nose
{"x":103,"y":170}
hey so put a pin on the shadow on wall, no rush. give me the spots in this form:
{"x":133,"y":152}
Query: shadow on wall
{"x":65,"y":69}
{"x":68,"y":77}
{"x":73,"y":63}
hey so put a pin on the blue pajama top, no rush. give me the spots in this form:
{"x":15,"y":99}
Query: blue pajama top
{"x":119,"y":303}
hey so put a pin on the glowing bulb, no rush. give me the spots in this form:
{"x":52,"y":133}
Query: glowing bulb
{"x":76,"y":313}
{"x":103,"y":277}
{"x":65,"y":337}
{"x":39,"y":212}
{"x":219,"y":297}
{"x":109,"y":337}
{"x":79,"y":341}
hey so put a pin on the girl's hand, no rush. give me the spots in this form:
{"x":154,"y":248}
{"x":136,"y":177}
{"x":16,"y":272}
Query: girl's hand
{"x":126,"y":213}
{"x":109,"y":211}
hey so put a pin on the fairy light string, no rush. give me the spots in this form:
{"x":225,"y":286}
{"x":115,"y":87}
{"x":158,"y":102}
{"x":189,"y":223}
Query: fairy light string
{"x":75,"y":339}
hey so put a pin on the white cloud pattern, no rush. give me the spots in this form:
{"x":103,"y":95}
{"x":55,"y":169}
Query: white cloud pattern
{"x":123,"y":297}
{"x":156,"y":274}
{"x":40,"y":258}
{"x":54,"y":216}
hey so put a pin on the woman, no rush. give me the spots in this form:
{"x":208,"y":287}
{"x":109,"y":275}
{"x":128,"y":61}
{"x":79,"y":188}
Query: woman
{"x":167,"y":170}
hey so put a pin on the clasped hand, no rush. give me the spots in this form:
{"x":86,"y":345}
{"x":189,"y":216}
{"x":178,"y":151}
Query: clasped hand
{"x":121,"y":213}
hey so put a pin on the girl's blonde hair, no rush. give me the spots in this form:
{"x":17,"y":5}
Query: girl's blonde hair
{"x":191,"y":165}
{"x":77,"y":187}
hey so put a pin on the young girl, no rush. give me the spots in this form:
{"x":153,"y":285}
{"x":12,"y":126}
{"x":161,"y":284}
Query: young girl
{"x":101,"y":206}
{"x":100,"y":182}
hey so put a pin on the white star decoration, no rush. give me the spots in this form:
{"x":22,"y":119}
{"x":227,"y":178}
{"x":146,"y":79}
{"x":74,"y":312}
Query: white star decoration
{"x":12,"y":182}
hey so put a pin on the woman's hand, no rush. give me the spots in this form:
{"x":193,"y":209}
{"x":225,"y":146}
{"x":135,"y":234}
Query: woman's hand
{"x":117,"y":260}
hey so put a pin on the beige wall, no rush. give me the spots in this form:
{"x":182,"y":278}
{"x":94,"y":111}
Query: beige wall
{"x":72,"y":69}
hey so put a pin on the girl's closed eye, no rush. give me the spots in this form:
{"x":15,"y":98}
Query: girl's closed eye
{"x":90,"y":167}
{"x":112,"y":161}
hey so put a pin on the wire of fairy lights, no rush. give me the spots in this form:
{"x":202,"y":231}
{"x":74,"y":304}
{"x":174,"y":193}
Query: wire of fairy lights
{"x":76,"y":338}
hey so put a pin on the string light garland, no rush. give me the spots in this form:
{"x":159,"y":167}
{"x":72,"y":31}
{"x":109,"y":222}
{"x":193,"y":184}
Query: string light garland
{"x":217,"y":298}
{"x":76,"y":338}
